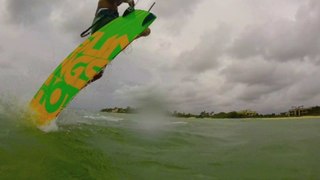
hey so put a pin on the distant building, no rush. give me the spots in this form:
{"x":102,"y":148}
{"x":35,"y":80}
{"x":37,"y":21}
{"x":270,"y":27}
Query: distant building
{"x":298,"y":111}
{"x":115,"y":110}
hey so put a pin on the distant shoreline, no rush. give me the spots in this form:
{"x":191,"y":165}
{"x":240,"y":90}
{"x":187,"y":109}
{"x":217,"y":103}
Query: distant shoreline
{"x":245,"y":114}
{"x":251,"y":118}
{"x":292,"y":117}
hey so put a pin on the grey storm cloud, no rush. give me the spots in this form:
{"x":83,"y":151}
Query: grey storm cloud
{"x":237,"y":61}
{"x":30,"y":11}
{"x":277,"y":57}
{"x":4,"y":62}
{"x":260,"y":72}
{"x":176,"y":13}
{"x":257,"y":78}
{"x":5,"y":65}
{"x":75,"y":21}
{"x":308,"y":89}
{"x":33,"y":11}
{"x":205,"y":55}
{"x":284,"y":39}
{"x":167,"y":9}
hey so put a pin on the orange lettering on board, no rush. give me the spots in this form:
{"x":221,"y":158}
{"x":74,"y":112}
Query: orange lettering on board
{"x":72,"y":75}
{"x":115,"y":41}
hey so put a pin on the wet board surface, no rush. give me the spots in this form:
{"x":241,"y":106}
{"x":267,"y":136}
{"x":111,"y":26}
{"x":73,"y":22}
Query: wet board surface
{"x":86,"y":61}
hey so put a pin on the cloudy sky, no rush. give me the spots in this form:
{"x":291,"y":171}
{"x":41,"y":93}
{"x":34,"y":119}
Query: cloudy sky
{"x":202,"y":55}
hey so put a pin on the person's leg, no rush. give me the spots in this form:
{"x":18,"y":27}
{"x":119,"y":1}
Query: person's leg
{"x":104,"y":16}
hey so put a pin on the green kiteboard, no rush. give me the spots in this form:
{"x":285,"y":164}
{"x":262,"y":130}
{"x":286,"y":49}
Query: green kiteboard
{"x":86,"y":61}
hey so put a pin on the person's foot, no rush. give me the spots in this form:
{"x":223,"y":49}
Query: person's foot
{"x":144,"y":33}
{"x":97,"y":76}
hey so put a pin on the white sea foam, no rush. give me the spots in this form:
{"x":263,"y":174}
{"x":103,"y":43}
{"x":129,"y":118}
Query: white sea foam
{"x":51,"y":127}
{"x":179,"y":122}
{"x":104,"y":118}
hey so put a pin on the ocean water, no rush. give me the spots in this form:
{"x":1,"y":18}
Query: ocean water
{"x":94,"y":145}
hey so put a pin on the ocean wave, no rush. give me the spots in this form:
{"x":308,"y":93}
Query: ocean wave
{"x":179,"y":122}
{"x":104,"y":118}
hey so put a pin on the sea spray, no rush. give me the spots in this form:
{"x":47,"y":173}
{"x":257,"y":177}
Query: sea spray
{"x":152,"y":118}
{"x":16,"y":112}
{"x":51,"y":127}
{"x":13,"y":109}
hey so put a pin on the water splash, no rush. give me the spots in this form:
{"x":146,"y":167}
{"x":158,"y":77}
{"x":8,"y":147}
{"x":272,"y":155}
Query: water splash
{"x":16,"y":113}
{"x":153,"y":117}
{"x":51,"y":127}
{"x":13,"y":109}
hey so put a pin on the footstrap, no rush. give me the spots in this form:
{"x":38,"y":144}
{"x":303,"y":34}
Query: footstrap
{"x":88,"y":31}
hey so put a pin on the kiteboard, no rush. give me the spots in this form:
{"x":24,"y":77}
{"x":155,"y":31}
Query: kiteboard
{"x":85,"y":62}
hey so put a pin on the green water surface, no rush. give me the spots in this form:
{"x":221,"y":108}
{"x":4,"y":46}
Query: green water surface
{"x":123,"y":148}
